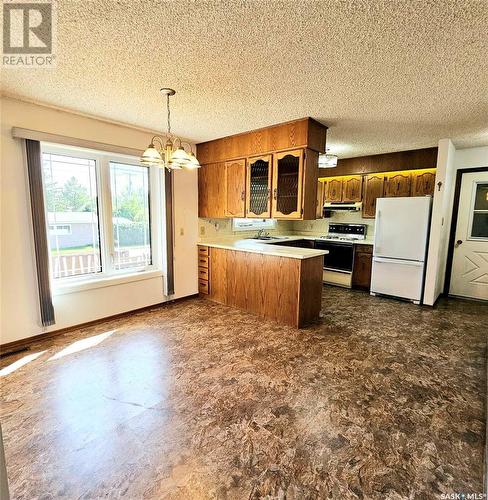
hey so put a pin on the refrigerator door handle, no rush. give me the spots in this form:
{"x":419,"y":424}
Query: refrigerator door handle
{"x":416,"y":263}
{"x":377,"y":232}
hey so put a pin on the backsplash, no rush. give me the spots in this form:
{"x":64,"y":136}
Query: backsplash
{"x":320,"y":227}
{"x":217,"y":228}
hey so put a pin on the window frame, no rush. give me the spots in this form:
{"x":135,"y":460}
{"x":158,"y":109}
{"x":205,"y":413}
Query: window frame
{"x":472,"y":212}
{"x":108,"y":271}
{"x":252,"y":224}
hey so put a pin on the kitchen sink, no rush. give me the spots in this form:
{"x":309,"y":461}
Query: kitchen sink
{"x":267,"y":238}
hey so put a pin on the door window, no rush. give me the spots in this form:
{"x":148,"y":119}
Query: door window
{"x":479,"y":221}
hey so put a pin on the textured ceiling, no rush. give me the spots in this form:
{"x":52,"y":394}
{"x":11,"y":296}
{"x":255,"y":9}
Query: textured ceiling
{"x":383,"y":75}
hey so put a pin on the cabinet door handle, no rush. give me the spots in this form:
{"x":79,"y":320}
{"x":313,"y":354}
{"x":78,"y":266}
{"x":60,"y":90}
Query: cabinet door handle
{"x":275,"y":191}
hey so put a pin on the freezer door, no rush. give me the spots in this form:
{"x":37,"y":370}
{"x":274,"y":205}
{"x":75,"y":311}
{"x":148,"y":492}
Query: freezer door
{"x":398,"y":278}
{"x":401,"y":227}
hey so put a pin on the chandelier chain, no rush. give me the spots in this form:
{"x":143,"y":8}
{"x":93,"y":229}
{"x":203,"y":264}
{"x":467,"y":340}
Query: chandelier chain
{"x":169,"y":115}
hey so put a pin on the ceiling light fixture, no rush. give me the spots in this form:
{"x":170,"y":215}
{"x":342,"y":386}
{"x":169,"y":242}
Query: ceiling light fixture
{"x":169,"y":151}
{"x":327,"y":160}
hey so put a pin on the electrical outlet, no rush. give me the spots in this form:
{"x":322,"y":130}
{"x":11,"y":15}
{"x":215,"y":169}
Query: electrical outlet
{"x":182,"y":231}
{"x":202,"y":230}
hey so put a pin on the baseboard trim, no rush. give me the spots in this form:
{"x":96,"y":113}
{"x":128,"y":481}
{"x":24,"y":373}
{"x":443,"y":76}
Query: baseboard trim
{"x":21,"y":344}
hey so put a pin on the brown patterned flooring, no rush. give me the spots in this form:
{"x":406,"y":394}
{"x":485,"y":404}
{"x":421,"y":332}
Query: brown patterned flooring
{"x":196,"y":400}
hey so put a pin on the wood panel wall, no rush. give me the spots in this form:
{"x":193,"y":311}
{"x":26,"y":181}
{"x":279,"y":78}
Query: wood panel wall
{"x":389,"y":162}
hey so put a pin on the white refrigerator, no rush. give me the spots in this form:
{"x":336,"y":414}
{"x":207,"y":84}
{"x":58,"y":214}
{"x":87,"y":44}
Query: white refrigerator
{"x":400,"y":246}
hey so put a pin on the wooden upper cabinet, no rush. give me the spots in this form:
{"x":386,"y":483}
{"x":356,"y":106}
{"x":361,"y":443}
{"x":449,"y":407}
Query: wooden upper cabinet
{"x":235,"y":188}
{"x":305,"y":133}
{"x":320,"y":200}
{"x":310,"y":184}
{"x":211,"y":191}
{"x":423,"y":182}
{"x":287,"y":185}
{"x":373,"y":189}
{"x":397,"y":184}
{"x":334,"y":190}
{"x":258,"y":189}
{"x":352,"y":188}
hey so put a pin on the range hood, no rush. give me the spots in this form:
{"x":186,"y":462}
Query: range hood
{"x":347,"y":207}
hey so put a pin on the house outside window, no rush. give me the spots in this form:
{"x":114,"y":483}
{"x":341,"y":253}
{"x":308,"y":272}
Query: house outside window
{"x":60,"y":230}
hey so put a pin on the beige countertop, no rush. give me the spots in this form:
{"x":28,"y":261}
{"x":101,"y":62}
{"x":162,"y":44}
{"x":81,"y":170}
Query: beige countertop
{"x":264,"y":247}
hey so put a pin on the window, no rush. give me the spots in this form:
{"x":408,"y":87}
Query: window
{"x":103,"y":214}
{"x":251,"y":224}
{"x":130,"y":215}
{"x":479,"y":220}
{"x":70,"y":192}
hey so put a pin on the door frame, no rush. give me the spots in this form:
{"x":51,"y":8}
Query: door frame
{"x":454,"y":220}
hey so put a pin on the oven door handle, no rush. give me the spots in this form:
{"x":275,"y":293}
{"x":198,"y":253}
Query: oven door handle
{"x":337,"y":270}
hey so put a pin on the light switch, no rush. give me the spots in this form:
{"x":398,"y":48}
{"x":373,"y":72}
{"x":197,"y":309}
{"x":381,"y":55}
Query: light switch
{"x":182,"y":231}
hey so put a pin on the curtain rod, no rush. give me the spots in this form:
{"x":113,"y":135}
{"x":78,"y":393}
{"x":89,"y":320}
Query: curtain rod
{"x":37,"y":135}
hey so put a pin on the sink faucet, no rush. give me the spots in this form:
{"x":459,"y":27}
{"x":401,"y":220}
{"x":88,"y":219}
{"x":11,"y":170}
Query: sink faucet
{"x":261,"y":233}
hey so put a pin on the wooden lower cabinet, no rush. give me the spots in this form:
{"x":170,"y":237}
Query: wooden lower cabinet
{"x":361,"y":272}
{"x":218,"y":275}
{"x":203,"y":269}
{"x":286,"y":290}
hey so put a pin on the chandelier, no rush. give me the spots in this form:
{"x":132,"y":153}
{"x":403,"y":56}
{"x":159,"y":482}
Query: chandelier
{"x":169,"y":151}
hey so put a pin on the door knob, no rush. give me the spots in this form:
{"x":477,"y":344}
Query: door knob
{"x":459,"y":242}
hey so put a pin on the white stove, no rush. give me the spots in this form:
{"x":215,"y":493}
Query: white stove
{"x":339,"y":261}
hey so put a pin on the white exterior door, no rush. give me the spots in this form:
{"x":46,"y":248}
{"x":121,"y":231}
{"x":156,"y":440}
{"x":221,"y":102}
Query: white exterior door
{"x":469,"y":276}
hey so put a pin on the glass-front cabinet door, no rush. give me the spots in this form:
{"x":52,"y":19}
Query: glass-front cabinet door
{"x":258,"y":187}
{"x":287,"y":184}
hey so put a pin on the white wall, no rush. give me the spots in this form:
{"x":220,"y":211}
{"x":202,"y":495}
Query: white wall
{"x":449,"y":161}
{"x":18,"y":292}
{"x":471,"y":158}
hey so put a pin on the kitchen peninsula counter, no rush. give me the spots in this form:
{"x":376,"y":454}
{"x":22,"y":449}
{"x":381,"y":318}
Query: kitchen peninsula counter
{"x":266,"y":247}
{"x":280,"y":283}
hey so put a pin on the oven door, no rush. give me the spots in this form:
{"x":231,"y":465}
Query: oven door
{"x":339,"y":258}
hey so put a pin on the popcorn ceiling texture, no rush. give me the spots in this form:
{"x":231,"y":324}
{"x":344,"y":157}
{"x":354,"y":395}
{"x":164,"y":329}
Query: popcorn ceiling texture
{"x":383,"y":75}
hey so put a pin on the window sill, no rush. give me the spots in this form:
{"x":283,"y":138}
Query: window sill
{"x":90,"y":284}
